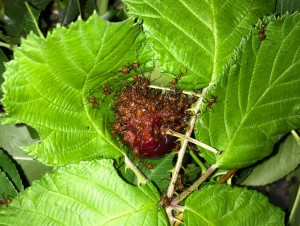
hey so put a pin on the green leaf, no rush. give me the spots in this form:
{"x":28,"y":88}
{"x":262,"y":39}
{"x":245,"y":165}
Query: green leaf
{"x":67,"y":11}
{"x":222,"y":205}
{"x":19,"y":20}
{"x":282,"y":163}
{"x":3,"y":59}
{"x":6,"y":186}
{"x":39,"y":4}
{"x":14,"y":21}
{"x":32,"y":18}
{"x":10,"y":180}
{"x":50,"y":81}
{"x":197,"y":37}
{"x":258,"y":99}
{"x":88,"y":193}
{"x":161,"y":171}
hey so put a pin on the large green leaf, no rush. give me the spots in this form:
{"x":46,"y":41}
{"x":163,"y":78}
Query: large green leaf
{"x":197,"y":36}
{"x":88,"y":193}
{"x":223,"y":205}
{"x":258,"y":98}
{"x":50,"y":81}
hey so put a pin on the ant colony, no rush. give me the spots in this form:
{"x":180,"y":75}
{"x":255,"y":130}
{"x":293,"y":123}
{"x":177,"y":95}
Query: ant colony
{"x":144,"y":114}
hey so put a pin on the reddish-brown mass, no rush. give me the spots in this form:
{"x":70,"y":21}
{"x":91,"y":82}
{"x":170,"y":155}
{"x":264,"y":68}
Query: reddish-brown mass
{"x":143,"y":115}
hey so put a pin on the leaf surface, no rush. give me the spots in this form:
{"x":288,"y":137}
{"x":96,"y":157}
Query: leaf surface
{"x":88,"y":193}
{"x":258,"y":99}
{"x":223,"y":205}
{"x":50,"y":82}
{"x":197,"y":37}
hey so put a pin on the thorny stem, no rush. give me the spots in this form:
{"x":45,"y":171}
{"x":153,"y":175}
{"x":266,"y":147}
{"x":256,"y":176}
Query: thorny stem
{"x":141,"y":178}
{"x":188,"y":191}
{"x":194,"y":141}
{"x":166,"y":88}
{"x":183,"y":148}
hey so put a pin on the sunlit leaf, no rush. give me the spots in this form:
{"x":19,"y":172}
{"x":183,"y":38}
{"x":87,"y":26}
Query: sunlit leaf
{"x":197,"y":37}
{"x":258,"y":98}
{"x":51,"y":82}
{"x":88,"y":193}
{"x":223,"y":205}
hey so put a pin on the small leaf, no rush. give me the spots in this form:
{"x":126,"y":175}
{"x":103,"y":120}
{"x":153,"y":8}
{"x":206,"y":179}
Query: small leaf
{"x":3,"y":59}
{"x":258,"y":99}
{"x":40,"y":4}
{"x":67,"y":11}
{"x":32,"y":17}
{"x":161,"y":171}
{"x":14,"y":19}
{"x":282,"y":163}
{"x":9,"y":169}
{"x":197,"y":37}
{"x":50,"y":81}
{"x":88,"y":193}
{"x":7,"y":187}
{"x":223,"y":205}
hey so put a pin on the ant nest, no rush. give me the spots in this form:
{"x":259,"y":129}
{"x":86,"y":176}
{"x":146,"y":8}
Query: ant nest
{"x":143,"y":115}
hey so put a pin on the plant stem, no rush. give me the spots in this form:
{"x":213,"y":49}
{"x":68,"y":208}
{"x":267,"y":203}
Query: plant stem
{"x":168,"y":89}
{"x":295,"y":210}
{"x":227,"y":176}
{"x":194,"y":141}
{"x":141,"y":178}
{"x":296,"y":136}
{"x":3,"y":44}
{"x":184,"y":143}
{"x":198,"y":161}
{"x":188,"y":191}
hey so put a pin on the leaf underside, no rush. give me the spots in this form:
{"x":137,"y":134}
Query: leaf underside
{"x":276,"y":167}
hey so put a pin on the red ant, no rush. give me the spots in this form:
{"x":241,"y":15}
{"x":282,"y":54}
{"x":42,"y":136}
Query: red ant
{"x":174,"y":81}
{"x":178,"y":183}
{"x":137,"y":157}
{"x":165,"y":201}
{"x":129,"y":68}
{"x":149,"y":165}
{"x":93,"y":101}
{"x":211,"y":101}
{"x":261,"y":34}
{"x":106,"y":90}
{"x":5,"y":201}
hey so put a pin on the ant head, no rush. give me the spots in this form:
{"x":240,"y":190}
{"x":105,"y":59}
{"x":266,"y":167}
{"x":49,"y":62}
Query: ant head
{"x":263,"y":26}
{"x":165,"y":200}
